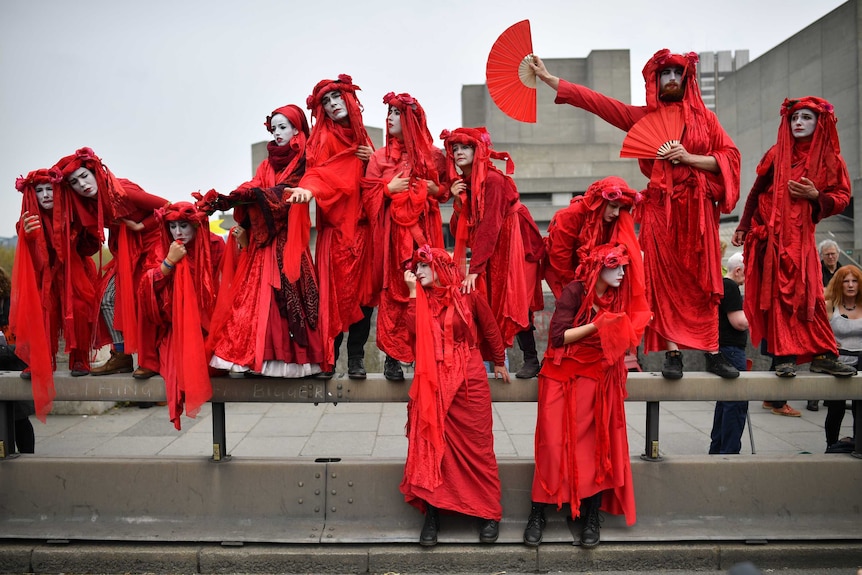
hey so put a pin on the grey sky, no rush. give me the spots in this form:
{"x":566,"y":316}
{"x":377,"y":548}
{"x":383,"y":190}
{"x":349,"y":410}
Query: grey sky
{"x":171,"y":94}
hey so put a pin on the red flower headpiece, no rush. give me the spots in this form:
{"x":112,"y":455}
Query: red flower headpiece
{"x":344,"y":83}
{"x":42,"y":176}
{"x":818,"y":105}
{"x":611,"y":189}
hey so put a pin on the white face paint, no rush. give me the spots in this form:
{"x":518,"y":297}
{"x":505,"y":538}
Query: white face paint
{"x":182,"y":231}
{"x":802,"y":123}
{"x":612,"y":211}
{"x":393,"y":122}
{"x":45,"y":196}
{"x":282,"y":130}
{"x":83,"y":181}
{"x":425,"y":274}
{"x":463,"y":155}
{"x":670,"y":84}
{"x":613,"y":276}
{"x":334,"y":106}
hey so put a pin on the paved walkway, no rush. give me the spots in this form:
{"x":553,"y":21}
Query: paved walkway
{"x":377,"y":430}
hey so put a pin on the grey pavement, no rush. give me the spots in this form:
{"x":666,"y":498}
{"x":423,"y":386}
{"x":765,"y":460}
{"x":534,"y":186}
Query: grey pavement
{"x":377,"y":430}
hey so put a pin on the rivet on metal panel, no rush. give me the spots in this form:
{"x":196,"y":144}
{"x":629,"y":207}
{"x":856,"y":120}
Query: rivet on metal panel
{"x":317,"y":491}
{"x":299,"y":500}
{"x":317,"y":475}
{"x":332,"y":509}
{"x":333,"y":492}
{"x":350,"y":500}
{"x":300,"y":484}
{"x":350,"y":483}
{"x":317,"y":509}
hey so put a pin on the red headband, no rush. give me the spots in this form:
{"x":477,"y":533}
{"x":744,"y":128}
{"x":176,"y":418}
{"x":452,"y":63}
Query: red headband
{"x":294,"y":115}
{"x":42,"y":176}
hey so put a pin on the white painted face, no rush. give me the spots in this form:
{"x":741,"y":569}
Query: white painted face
{"x":425,"y":274}
{"x":45,"y":196}
{"x":393,"y":122}
{"x":182,"y":231}
{"x":802,"y":123}
{"x":670,"y":84}
{"x":612,"y":211}
{"x":83,"y":181}
{"x":613,"y":276}
{"x":463,"y":155}
{"x":334,"y":106}
{"x":282,"y":130}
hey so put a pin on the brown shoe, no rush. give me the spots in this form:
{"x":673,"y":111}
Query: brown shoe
{"x":144,"y":373}
{"x":786,"y":411}
{"x":117,"y":363}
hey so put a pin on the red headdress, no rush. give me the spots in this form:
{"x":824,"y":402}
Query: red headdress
{"x":480,"y":140}
{"x":415,"y":134}
{"x":285,"y":158}
{"x":353,"y":134}
{"x":112,"y":202}
{"x":611,"y":189}
{"x":192,"y":302}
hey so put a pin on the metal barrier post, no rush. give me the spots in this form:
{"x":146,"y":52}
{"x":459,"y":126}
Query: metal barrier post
{"x":651,"y":452}
{"x":857,"y":428}
{"x":219,"y":433}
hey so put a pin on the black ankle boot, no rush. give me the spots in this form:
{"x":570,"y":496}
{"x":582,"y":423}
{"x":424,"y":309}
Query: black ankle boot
{"x":535,"y":525}
{"x":489,"y":530}
{"x":428,"y":537}
{"x":590,"y":513}
{"x":527,"y":343}
{"x":356,"y":368}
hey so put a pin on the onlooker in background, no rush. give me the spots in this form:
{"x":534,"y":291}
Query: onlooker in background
{"x":828,"y":259}
{"x":729,"y":420}
{"x":845,"y":315}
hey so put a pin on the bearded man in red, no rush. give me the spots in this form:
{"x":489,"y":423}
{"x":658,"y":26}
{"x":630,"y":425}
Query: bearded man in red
{"x":801,"y":180}
{"x":337,"y":151}
{"x":402,"y":192}
{"x":100,"y":200}
{"x":688,"y":186}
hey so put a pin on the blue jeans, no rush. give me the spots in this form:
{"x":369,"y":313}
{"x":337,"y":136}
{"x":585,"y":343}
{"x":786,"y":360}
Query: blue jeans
{"x":729,"y":420}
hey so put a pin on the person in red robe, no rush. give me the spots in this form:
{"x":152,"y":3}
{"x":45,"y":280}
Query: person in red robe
{"x":801,"y":180}
{"x":336,"y":155}
{"x":582,"y":451}
{"x":267,"y":321}
{"x":507,"y":247}
{"x":54,"y":278}
{"x":601,"y":215}
{"x":176,"y":297}
{"x":100,"y":200}
{"x":688,"y":186}
{"x":451,"y":465}
{"x":402,"y":192}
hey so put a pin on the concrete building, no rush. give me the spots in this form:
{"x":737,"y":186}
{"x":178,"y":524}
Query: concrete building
{"x":821,"y":60}
{"x":712,"y":69}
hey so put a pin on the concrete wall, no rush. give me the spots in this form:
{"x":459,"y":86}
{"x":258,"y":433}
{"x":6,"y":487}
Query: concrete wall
{"x":821,"y":60}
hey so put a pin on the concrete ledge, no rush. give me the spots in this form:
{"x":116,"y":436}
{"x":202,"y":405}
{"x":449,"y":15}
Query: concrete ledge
{"x":110,"y":558}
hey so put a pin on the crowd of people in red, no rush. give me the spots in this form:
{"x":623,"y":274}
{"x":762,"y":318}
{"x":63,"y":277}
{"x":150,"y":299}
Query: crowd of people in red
{"x":191,"y":305}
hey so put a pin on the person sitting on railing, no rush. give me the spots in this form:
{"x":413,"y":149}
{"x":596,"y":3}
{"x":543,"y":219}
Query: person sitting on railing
{"x":451,"y":465}
{"x":582,"y":451}
{"x":801,"y":180}
{"x":176,"y":298}
{"x":506,"y":245}
{"x":842,"y":305}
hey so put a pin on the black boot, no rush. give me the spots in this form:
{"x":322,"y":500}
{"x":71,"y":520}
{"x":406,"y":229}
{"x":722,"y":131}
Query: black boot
{"x":527,"y":343}
{"x":392,"y":369}
{"x":489,"y":530}
{"x":535,"y":525}
{"x":590,"y":513}
{"x":428,"y":537}
{"x":356,"y":368}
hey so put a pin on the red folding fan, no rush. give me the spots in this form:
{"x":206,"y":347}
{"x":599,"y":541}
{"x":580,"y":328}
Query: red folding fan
{"x":511,"y":81}
{"x":653,"y":134}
